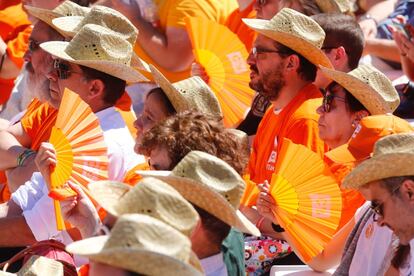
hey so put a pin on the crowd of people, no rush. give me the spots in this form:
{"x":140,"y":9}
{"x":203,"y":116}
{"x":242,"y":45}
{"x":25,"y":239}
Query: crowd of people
{"x":184,"y":193}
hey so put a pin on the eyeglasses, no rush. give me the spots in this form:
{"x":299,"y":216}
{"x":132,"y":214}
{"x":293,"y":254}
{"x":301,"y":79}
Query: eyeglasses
{"x":62,"y":69}
{"x":257,"y":51}
{"x":261,"y":2}
{"x":327,"y":101}
{"x":378,"y":208}
{"x":33,"y":45}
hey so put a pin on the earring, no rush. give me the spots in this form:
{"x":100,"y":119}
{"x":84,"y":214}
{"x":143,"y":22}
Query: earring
{"x":354,"y":124}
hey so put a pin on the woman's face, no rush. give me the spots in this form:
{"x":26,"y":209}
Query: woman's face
{"x":154,"y":112}
{"x":335,"y":121}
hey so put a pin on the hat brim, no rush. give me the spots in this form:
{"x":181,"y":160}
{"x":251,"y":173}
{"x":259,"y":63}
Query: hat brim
{"x":43,"y":14}
{"x":381,"y":167}
{"x":177,"y":100}
{"x":207,"y":199}
{"x":364,"y":93}
{"x":141,"y":261}
{"x":108,"y":194}
{"x":298,"y":44}
{"x":345,"y":154}
{"x":121,"y":71}
{"x":330,"y":6}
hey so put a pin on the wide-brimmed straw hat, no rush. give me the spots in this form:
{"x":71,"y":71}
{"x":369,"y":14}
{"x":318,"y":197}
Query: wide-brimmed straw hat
{"x":69,"y":26}
{"x":67,"y":8}
{"x":141,"y":244}
{"x":369,"y":86}
{"x":211,"y":184}
{"x":393,"y":156}
{"x":296,"y":31}
{"x":369,"y":130}
{"x":334,"y":6}
{"x":151,"y":197}
{"x":99,"y":48}
{"x":38,"y":266}
{"x":191,"y":93}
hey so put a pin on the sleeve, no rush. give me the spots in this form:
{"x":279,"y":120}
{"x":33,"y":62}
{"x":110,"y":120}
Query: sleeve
{"x":17,"y":47}
{"x":306,"y":132}
{"x":30,"y":192}
{"x":32,"y":121}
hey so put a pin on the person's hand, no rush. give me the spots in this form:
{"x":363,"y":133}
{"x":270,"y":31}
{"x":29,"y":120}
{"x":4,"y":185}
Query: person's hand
{"x":369,"y":28}
{"x":45,"y":160}
{"x":198,"y":70}
{"x":266,"y":205}
{"x":80,"y":212}
{"x":404,"y":45}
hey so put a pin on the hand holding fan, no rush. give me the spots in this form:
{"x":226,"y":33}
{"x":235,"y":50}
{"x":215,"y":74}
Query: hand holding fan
{"x":308,"y":198}
{"x":223,"y":56}
{"x":80,"y":149}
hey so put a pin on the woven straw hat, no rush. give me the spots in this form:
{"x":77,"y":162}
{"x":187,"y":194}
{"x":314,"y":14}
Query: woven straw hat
{"x":393,"y":156}
{"x":69,"y":26}
{"x":369,"y":86}
{"x":296,"y":31}
{"x":67,"y":8}
{"x":191,"y":93}
{"x":151,"y":197}
{"x":38,"y":266}
{"x":369,"y":130}
{"x":141,"y":244}
{"x":334,"y":6}
{"x":99,"y":48}
{"x":211,"y":184}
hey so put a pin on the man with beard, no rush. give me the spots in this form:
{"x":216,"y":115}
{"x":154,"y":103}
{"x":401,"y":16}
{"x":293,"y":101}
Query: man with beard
{"x":283,"y":62}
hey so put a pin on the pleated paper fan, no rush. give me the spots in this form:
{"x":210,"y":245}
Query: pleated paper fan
{"x":223,"y":56}
{"x":308,"y":198}
{"x":81,"y":151}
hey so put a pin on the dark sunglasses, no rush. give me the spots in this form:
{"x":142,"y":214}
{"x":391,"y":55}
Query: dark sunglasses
{"x":378,"y":208}
{"x":62,"y":69}
{"x":327,"y":101}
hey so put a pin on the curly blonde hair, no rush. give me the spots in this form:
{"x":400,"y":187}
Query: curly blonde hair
{"x":191,"y":130}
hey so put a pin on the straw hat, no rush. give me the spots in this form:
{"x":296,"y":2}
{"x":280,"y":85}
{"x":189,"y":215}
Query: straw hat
{"x":369,"y":130}
{"x":141,"y":244}
{"x":334,"y":6}
{"x":369,"y":86}
{"x":69,"y":26}
{"x":191,"y":93}
{"x":151,"y":197}
{"x":99,"y":48}
{"x":393,"y":156}
{"x":39,"y":266}
{"x":296,"y":31}
{"x":67,"y":8}
{"x":211,"y":184}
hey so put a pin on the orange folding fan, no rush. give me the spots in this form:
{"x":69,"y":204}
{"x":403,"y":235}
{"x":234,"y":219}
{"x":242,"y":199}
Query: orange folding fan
{"x":81,"y":152}
{"x":223,"y":56}
{"x":308,"y":198}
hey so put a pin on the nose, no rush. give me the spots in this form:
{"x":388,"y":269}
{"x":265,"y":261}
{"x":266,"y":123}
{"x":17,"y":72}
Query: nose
{"x":251,"y":59}
{"x":138,"y":123}
{"x":256,"y":5}
{"x":27,"y":56}
{"x":52,"y":74}
{"x":319,"y":110}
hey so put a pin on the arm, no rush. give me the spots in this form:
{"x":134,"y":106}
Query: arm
{"x":170,"y":49}
{"x":382,"y":48}
{"x":13,"y":142}
{"x":406,"y":51}
{"x":15,"y":232}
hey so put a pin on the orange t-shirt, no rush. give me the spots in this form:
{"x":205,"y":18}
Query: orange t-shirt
{"x":236,"y":25}
{"x":298,"y":121}
{"x":172,"y":13}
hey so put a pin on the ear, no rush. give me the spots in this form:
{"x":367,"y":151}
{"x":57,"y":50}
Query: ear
{"x":292,"y":63}
{"x":96,"y":89}
{"x":407,"y":188}
{"x":361,"y":114}
{"x":339,"y":58}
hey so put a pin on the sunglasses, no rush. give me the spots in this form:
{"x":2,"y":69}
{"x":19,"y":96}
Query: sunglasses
{"x":257,"y":51}
{"x":327,"y":101}
{"x":33,"y":45}
{"x":378,"y":208}
{"x":62,"y":69}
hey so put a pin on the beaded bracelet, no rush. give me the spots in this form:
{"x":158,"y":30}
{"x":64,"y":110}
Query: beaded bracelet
{"x":23,"y":156}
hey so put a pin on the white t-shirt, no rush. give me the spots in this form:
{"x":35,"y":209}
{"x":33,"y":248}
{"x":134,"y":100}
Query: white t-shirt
{"x":373,"y":245}
{"x":214,"y":265}
{"x":33,"y":199}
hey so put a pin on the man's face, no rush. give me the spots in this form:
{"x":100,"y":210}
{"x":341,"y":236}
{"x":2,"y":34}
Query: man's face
{"x":38,"y":61}
{"x":266,"y":66}
{"x":394,"y":210}
{"x":63,"y":75}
